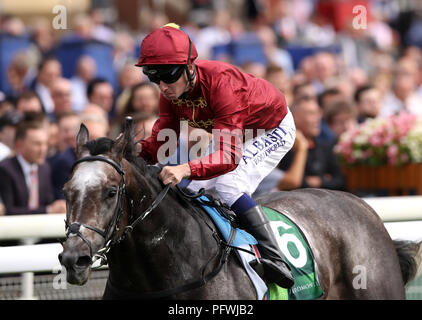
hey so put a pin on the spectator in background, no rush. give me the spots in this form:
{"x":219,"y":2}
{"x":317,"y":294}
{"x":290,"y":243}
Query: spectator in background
{"x":82,"y":26}
{"x":304,"y":89}
{"x":97,"y":125}
{"x":95,"y":117}
{"x":53,"y":139}
{"x":26,"y":178}
{"x":68,"y":124}
{"x":307,"y":69}
{"x":357,"y":77}
{"x":275,"y":55}
{"x":13,"y":25}
{"x":17,"y":73}
{"x":285,"y":25}
{"x":368,"y":102}
{"x":100,"y":31}
{"x":341,"y":116}
{"x":100,"y":92}
{"x":61,"y":91}
{"x":128,"y":78}
{"x":92,"y":111}
{"x":255,"y":68}
{"x":343,"y":85}
{"x":213,"y":35}
{"x":92,"y":108}
{"x":86,"y":69}
{"x":326,"y":98}
{"x":61,"y":163}
{"x":42,"y":35}
{"x":322,"y":169}
{"x":292,"y":178}
{"x":145,"y":97}
{"x":279,"y":78}
{"x":49,"y":70}
{"x":325,"y":69}
{"x":143,"y":100}
{"x":317,"y":31}
{"x":404,"y":95}
{"x":5,"y":104}
{"x":28,"y":102}
{"x":8,"y":123}
{"x":124,"y":47}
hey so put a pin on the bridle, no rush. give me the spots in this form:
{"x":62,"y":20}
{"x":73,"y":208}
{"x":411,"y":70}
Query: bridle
{"x":114,"y":225}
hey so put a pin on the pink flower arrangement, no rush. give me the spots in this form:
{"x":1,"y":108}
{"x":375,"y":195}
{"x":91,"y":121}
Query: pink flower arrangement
{"x":395,"y":140}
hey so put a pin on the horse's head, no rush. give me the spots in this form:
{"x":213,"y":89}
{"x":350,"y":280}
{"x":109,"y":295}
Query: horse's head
{"x":95,"y":201}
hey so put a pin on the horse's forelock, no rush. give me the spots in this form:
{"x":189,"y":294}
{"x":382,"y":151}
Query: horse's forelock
{"x":99,"y":146}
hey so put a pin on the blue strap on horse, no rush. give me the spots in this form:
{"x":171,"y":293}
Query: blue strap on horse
{"x":224,"y":221}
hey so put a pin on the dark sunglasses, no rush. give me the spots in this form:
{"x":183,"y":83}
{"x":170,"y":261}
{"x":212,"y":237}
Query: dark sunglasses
{"x":168,"y":73}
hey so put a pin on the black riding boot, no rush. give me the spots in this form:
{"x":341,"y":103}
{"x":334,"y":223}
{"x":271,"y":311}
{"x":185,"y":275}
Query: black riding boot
{"x":276,"y":270}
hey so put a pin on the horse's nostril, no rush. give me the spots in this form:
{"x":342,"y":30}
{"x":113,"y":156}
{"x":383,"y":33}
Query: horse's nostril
{"x":68,"y":259}
{"x":84,"y":261}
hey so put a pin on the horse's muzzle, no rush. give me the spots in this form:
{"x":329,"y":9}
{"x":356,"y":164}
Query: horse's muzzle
{"x":77,"y":264}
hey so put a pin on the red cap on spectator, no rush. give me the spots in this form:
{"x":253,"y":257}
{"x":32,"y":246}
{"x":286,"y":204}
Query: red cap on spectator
{"x":167,"y":45}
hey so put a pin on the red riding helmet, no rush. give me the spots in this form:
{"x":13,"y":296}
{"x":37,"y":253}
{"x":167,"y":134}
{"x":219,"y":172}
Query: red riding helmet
{"x":167,"y":45}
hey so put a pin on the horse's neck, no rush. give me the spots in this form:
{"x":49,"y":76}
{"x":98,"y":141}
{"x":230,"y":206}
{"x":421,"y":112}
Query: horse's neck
{"x":168,"y":247}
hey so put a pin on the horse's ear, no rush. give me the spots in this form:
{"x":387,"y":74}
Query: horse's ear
{"x":81,"y":139}
{"x":123,"y":139}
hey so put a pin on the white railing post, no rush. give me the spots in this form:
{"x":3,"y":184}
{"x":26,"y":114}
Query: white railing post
{"x":27,"y":282}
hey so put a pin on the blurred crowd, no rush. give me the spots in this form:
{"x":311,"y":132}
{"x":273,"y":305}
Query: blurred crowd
{"x":333,"y":72}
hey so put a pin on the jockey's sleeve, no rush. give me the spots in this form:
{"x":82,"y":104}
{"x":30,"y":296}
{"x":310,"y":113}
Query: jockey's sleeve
{"x":166,"y":120}
{"x":228,"y":127}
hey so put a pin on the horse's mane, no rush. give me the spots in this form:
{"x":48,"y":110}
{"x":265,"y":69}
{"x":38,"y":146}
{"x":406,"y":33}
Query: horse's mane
{"x":104,"y":145}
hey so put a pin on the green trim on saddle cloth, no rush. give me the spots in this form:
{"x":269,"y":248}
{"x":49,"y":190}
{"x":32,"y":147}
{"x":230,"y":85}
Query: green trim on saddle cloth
{"x":298,"y":255}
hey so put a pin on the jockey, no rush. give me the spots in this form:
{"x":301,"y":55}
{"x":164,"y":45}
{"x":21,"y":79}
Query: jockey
{"x":222,"y":100}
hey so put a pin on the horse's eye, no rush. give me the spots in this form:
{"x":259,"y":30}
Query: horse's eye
{"x":112,"y":193}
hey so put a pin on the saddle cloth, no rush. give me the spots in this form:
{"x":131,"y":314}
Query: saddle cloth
{"x":293,"y":245}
